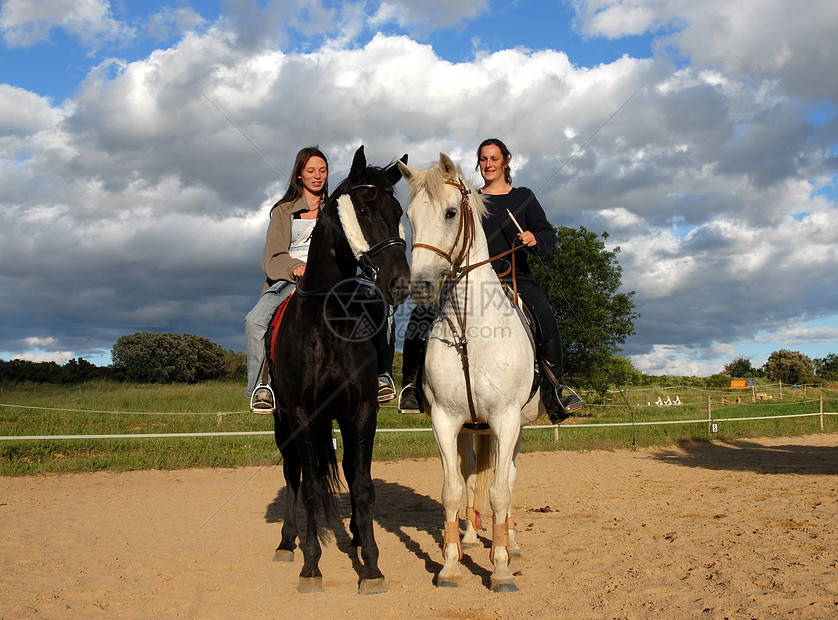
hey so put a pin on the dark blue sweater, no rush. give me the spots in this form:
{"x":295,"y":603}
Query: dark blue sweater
{"x":501,"y":231}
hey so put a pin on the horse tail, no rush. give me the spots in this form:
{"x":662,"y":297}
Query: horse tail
{"x":483,"y":449}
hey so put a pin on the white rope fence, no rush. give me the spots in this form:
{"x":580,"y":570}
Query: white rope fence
{"x":405,"y":430}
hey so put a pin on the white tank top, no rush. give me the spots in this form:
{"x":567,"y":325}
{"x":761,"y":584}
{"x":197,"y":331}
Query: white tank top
{"x":301,"y":238}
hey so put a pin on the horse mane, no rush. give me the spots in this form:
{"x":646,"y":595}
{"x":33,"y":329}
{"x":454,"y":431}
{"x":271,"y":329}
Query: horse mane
{"x":433,"y":182}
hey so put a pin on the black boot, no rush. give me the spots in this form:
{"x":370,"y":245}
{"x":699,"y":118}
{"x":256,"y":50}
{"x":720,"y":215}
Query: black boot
{"x":413,"y":356}
{"x":558,"y":408}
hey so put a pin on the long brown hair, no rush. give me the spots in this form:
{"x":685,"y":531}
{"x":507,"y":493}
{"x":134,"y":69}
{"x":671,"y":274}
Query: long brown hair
{"x":507,"y":172}
{"x":295,"y":185}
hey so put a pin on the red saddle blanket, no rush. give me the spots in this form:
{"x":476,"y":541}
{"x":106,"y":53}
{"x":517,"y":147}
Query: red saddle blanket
{"x":273,"y":329}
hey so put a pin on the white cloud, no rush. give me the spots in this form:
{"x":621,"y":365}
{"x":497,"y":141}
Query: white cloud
{"x":793,"y":42}
{"x":25,"y":23}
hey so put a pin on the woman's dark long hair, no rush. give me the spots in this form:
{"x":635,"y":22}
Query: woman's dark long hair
{"x":507,"y":172}
{"x":295,"y":184}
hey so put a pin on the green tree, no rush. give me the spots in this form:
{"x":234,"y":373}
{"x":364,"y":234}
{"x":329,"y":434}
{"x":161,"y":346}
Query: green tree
{"x":740,"y":368}
{"x":788,"y":366}
{"x":167,"y":358}
{"x":827,"y":367}
{"x":581,"y":279}
{"x":210,"y":358}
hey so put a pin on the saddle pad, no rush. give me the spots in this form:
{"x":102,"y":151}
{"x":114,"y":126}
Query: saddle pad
{"x":273,"y":329}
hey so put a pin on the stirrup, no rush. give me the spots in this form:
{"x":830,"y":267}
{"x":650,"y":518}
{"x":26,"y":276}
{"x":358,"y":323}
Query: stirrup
{"x":408,"y":405}
{"x":262,"y":401}
{"x":386,"y":388}
{"x":571,"y":403}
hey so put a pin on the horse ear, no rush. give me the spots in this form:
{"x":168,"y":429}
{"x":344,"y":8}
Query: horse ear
{"x":407,"y":171}
{"x":359,"y":164}
{"x":393,"y":173}
{"x":448,"y":167}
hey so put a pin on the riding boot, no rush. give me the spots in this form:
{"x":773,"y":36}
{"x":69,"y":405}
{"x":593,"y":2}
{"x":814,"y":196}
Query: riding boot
{"x":558,"y":408}
{"x":413,"y":356}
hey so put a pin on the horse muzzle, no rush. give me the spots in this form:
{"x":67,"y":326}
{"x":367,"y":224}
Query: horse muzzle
{"x":423,"y":292}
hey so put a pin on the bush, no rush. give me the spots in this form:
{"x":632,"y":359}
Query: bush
{"x":167,"y":358}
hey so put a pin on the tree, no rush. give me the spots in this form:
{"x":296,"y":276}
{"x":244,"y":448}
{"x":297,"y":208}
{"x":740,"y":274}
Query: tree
{"x":739,"y":368}
{"x":167,"y":358}
{"x":827,"y":367}
{"x":581,"y":280}
{"x":788,"y":366}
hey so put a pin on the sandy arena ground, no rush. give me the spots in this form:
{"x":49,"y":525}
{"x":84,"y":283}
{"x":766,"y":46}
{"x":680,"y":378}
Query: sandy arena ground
{"x":747,"y":529}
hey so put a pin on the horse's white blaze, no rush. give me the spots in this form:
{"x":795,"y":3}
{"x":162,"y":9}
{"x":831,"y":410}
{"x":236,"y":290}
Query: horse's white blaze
{"x":351,"y":227}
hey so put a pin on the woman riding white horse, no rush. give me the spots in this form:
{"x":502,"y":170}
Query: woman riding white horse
{"x":479,"y":362}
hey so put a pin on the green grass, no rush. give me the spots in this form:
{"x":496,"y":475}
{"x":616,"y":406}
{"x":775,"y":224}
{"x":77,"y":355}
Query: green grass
{"x":116,"y":408}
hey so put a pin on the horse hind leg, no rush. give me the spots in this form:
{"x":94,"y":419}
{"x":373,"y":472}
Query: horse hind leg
{"x":285,"y":551}
{"x":468,"y":465}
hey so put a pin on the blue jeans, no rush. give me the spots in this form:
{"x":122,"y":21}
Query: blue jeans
{"x":256,"y":326}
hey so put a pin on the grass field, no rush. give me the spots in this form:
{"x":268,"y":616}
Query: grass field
{"x":110,"y":408}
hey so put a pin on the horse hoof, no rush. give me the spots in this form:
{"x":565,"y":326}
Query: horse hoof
{"x":515,"y":553}
{"x":307,"y":585}
{"x":283,"y":555}
{"x":503,"y":586}
{"x":372,"y":586}
{"x":471,"y":545}
{"x":447,"y":582}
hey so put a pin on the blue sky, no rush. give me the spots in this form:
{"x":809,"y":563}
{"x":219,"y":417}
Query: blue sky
{"x":128,"y":203}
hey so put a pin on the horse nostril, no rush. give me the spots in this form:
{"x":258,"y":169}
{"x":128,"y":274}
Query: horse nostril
{"x":398,"y":290}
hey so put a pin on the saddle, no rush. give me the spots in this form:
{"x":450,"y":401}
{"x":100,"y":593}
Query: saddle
{"x":273,"y":329}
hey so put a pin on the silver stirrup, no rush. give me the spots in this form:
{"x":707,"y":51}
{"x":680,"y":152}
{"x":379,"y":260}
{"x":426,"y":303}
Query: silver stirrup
{"x":253,"y":403}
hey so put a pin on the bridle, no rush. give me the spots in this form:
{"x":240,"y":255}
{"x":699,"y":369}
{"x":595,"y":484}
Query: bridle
{"x":465,"y":230}
{"x":368,"y":268}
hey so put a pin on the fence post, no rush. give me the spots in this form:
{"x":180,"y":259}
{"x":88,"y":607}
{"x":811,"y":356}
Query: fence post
{"x":821,"y":399}
{"x":781,"y":389}
{"x":710,"y":416}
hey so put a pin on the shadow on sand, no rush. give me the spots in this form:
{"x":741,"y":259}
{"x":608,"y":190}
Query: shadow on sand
{"x":751,"y":455}
{"x":399,"y":510}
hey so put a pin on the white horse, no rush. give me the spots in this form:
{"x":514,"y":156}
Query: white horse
{"x":479,"y":361}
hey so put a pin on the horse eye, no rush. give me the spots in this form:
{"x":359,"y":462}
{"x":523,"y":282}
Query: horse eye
{"x":450,"y":213}
{"x":362,"y":211}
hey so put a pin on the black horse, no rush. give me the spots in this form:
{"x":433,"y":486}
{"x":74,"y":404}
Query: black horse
{"x":328,"y":369}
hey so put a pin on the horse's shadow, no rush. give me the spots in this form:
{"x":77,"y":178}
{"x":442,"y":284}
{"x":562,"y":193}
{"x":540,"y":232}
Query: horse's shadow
{"x":415,"y":512}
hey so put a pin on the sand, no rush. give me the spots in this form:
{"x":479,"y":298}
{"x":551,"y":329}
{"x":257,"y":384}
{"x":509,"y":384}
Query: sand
{"x":746,"y":529}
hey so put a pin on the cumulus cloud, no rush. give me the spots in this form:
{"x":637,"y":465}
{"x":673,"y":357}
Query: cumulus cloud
{"x":764,"y":39}
{"x":25,"y":23}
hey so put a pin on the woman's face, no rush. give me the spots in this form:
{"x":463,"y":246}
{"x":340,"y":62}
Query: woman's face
{"x":491,"y":163}
{"x":313,"y":175}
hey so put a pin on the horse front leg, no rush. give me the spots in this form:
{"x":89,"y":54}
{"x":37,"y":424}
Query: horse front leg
{"x":291,"y":468}
{"x":313,"y":488}
{"x":452,"y":496}
{"x":500,"y":496}
{"x":362,"y":491}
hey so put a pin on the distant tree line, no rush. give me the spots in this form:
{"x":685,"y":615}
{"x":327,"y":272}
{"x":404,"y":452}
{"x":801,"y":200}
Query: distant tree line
{"x":142,"y":357}
{"x":787,"y":366}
